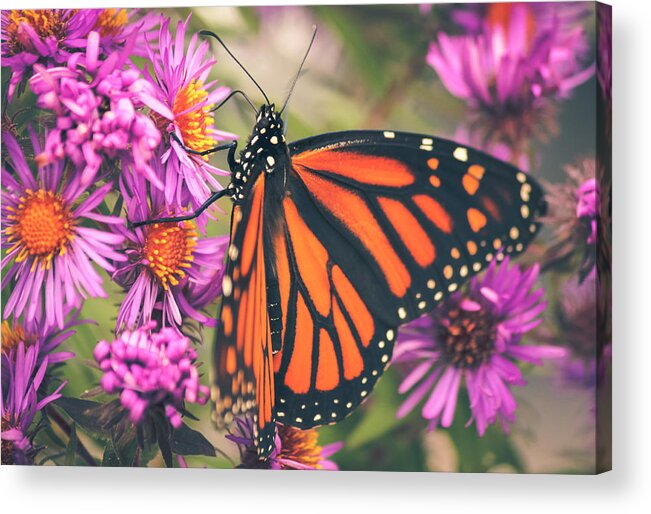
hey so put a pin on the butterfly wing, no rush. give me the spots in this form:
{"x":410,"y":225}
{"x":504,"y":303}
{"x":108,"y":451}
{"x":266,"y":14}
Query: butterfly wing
{"x":378,"y":228}
{"x":242,"y":354}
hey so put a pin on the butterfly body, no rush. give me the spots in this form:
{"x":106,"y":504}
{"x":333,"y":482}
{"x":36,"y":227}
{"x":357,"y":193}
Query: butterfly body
{"x":265,"y":152}
{"x":336,"y":241}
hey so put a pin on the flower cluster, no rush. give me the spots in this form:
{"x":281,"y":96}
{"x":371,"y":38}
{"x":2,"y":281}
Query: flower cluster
{"x":151,"y":370}
{"x":99,"y":153}
{"x":96,"y":104}
{"x":474,"y":337}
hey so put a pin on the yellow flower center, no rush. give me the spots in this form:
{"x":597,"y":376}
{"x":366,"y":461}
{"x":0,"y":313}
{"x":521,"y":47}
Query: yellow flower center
{"x":168,"y":249}
{"x":300,"y":445}
{"x":110,"y":22}
{"x":13,"y":335}
{"x":42,"y":227}
{"x":500,"y":14}
{"x":45,"y":22}
{"x":196,"y":124}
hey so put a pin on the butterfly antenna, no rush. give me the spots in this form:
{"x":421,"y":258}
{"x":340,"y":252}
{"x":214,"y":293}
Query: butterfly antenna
{"x":300,"y":68}
{"x":213,"y":35}
{"x":231,"y":95}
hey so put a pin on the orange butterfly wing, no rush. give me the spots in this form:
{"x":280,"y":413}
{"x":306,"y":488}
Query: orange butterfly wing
{"x":379,"y":228}
{"x":244,"y":376}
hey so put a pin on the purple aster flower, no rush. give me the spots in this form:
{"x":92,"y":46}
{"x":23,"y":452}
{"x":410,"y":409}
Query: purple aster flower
{"x":46,"y":36}
{"x":512,"y":71}
{"x":49,"y":241}
{"x":151,"y":370}
{"x":474,"y":338}
{"x":20,"y":401}
{"x":170,"y":272}
{"x":473,"y":18}
{"x":587,"y":202}
{"x":582,"y":326}
{"x":48,"y":336}
{"x":181,"y":104}
{"x":579,"y":217}
{"x":295,"y":448}
{"x":117,"y":26}
{"x":96,"y":105}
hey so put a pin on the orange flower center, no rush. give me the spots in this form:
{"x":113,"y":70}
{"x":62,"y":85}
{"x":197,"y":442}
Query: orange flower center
{"x":500,"y":15}
{"x":45,"y":22}
{"x":196,"y":123}
{"x":300,"y":445}
{"x":13,"y":335}
{"x":168,"y":250}
{"x":110,"y":22}
{"x":42,"y":228}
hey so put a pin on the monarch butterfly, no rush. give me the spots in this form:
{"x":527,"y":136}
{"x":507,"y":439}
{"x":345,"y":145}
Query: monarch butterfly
{"x":336,"y":241}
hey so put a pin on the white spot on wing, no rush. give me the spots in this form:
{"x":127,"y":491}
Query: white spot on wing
{"x":461,"y":154}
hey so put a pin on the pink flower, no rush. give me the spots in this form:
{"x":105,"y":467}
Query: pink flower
{"x":21,"y":402}
{"x":170,"y":272}
{"x":151,"y":370}
{"x":516,"y":61}
{"x":46,"y":36}
{"x":294,"y":448}
{"x":474,"y":338}
{"x":181,"y":99}
{"x":50,"y":239}
{"x":97,"y":118}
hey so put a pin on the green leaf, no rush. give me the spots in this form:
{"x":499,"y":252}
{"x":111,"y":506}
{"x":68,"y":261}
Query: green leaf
{"x":163,"y":436}
{"x":71,"y":450}
{"x":82,"y":412}
{"x":110,"y":458}
{"x":120,"y":453}
{"x":480,"y":454}
{"x":186,"y":441}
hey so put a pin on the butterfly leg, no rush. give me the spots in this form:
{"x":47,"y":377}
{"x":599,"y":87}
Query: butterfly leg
{"x":212,"y":199}
{"x":230,"y":146}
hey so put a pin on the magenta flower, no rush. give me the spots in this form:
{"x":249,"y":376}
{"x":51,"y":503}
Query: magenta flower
{"x":45,"y":36}
{"x":579,"y":217}
{"x":49,"y":244}
{"x":587,"y":202}
{"x":96,"y":105}
{"x":48,"y":336}
{"x":543,"y":16}
{"x":474,"y":338}
{"x":117,"y":26}
{"x":151,"y":370}
{"x":294,"y":448}
{"x":180,"y":102}
{"x":20,"y":401}
{"x":512,"y":69}
{"x":170,"y":272}
{"x":582,"y":327}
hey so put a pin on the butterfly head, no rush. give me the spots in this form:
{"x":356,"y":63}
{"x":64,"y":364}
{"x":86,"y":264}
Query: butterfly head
{"x":263,"y":153}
